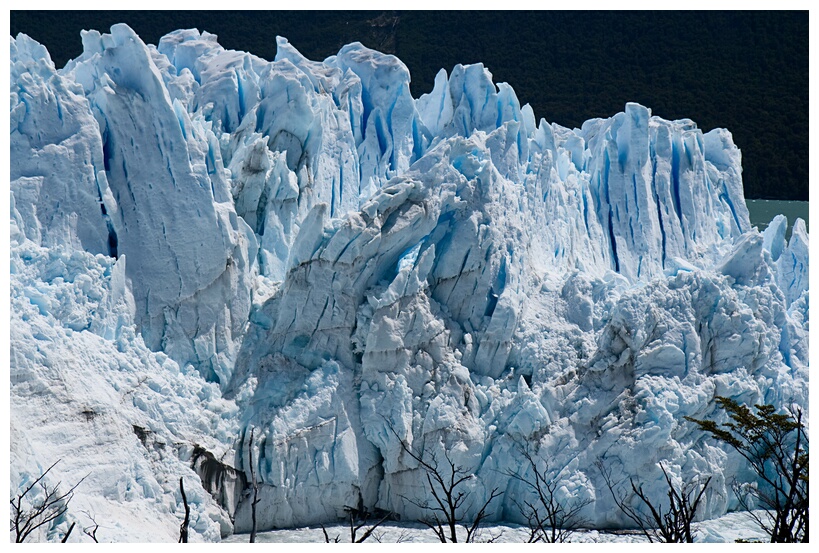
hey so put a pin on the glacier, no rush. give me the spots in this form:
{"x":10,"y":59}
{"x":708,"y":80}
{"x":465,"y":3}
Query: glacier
{"x":204,"y":242}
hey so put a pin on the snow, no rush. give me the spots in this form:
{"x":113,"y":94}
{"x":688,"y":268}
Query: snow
{"x":85,"y":388}
{"x":726,"y":529}
{"x":204,"y":242}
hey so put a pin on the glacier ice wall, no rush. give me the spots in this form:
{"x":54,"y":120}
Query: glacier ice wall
{"x":205,"y":242}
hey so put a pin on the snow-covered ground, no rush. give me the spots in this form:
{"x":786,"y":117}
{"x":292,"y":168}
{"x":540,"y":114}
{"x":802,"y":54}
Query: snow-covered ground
{"x":725,"y":529}
{"x":206,"y":245}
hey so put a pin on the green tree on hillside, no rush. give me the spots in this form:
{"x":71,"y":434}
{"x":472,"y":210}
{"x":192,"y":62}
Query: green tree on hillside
{"x":775,"y":445}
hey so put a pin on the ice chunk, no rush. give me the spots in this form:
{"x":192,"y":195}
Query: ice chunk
{"x":57,"y":157}
{"x":792,"y":265}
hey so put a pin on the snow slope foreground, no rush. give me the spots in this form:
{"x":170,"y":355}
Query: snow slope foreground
{"x":204,"y":243}
{"x":728,"y":528}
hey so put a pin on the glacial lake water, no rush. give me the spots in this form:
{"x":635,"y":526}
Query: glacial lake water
{"x":762,"y":211}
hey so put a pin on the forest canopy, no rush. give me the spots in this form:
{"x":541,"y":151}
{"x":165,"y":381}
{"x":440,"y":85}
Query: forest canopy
{"x":744,"y":71}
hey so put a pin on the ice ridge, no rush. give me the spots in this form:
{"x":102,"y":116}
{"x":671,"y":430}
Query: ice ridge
{"x":204,"y":242}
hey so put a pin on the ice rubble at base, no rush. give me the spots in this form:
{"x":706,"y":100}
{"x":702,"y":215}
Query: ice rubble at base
{"x":725,"y":529}
{"x":205,"y":242}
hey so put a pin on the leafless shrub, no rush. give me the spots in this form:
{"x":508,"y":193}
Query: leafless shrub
{"x":41,"y":510}
{"x":672,"y":526}
{"x":91,"y":531}
{"x":446,"y":485}
{"x":550,"y":520}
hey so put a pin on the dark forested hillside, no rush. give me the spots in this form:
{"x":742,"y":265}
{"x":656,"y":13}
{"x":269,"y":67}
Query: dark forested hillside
{"x":745,"y":71}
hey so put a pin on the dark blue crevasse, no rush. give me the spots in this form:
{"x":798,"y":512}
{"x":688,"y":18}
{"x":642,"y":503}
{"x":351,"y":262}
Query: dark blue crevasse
{"x":240,"y":90}
{"x":725,"y":197}
{"x":492,"y":302}
{"x":106,"y":151}
{"x":675,"y":180}
{"x":659,"y":206}
{"x":366,"y":109}
{"x":260,"y":115}
{"x":382,"y":133}
{"x":341,"y":184}
{"x":417,"y":141}
{"x":612,"y":241}
{"x":112,"y":234}
{"x":112,"y":238}
{"x":113,"y":241}
{"x":496,"y":289}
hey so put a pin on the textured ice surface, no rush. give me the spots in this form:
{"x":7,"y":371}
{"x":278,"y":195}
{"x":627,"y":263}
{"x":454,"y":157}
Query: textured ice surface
{"x":204,"y":242}
{"x":728,"y":528}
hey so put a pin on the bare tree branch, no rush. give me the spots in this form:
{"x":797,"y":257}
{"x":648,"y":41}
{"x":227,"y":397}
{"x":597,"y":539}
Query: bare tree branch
{"x":91,"y":531}
{"x":368,"y":532}
{"x":183,"y":529}
{"x":549,"y":519}
{"x":326,"y":537}
{"x":43,"y":510}
{"x":70,"y":528}
{"x":673,"y":526}
{"x":445,"y":481}
{"x":255,"y":490}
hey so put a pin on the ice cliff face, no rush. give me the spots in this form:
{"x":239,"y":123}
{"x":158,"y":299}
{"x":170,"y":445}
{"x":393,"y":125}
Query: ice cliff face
{"x":205,"y":242}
